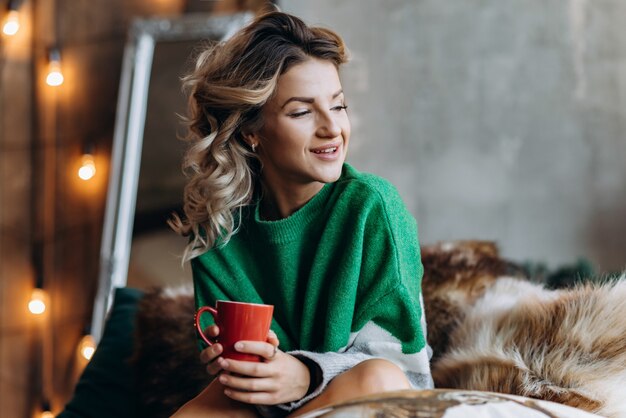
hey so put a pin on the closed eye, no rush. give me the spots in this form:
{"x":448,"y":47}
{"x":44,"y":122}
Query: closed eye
{"x":299,"y":114}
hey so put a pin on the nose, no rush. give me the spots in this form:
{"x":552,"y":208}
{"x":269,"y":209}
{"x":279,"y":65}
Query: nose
{"x":328,"y":126}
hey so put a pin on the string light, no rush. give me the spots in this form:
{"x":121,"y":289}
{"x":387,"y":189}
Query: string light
{"x":55,"y":76}
{"x":11,"y":23}
{"x":87,"y":347}
{"x":87,"y":167}
{"x":45,"y":410}
{"x":37,"y":303}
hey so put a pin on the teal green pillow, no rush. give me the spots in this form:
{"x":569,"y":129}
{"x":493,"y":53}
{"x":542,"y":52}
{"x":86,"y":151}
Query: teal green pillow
{"x":106,"y":387}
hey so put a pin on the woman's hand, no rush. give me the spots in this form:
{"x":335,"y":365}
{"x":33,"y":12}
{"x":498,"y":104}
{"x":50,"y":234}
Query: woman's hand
{"x":211,"y":354}
{"x":279,"y":378}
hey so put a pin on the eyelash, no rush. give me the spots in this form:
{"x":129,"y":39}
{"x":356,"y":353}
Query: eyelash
{"x":305,"y":112}
{"x":298,"y":114}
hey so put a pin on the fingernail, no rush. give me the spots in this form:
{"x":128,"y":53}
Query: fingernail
{"x":227,"y":392}
{"x":223,"y":363}
{"x":238,"y":346}
{"x":223,"y":379}
{"x":217,"y":348}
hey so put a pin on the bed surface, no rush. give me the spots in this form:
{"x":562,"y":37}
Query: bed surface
{"x":442,"y":403}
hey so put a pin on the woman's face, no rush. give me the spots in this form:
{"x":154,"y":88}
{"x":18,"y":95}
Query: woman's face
{"x":304,"y":139}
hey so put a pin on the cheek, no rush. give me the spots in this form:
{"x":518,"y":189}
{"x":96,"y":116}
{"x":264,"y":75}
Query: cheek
{"x":295,"y":135}
{"x":287,"y":143}
{"x":346,"y":128}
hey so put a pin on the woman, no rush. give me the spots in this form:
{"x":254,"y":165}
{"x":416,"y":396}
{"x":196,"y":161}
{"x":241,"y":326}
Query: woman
{"x":277,"y":217}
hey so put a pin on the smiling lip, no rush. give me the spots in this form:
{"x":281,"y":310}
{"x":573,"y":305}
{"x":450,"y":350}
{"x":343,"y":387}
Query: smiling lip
{"x":327,"y":152}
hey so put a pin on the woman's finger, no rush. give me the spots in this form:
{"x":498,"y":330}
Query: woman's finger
{"x":211,"y":353}
{"x":214,"y":367}
{"x":212,"y":331}
{"x":255,"y":398}
{"x":263,"y":349}
{"x":246,"y":368}
{"x":272,"y":338}
{"x":249,"y":384}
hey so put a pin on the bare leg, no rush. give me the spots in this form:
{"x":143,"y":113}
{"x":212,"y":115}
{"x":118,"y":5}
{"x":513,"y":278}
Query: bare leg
{"x":366,"y":378}
{"x":212,"y":403}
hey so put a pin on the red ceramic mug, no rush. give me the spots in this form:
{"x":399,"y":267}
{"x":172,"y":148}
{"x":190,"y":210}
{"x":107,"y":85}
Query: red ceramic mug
{"x":237,"y":321}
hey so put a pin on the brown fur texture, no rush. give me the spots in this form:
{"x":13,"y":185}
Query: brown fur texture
{"x":512,"y":336}
{"x":166,"y":359}
{"x":456,"y":274}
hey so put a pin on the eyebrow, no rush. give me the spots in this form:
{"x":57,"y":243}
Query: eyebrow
{"x":307,"y":99}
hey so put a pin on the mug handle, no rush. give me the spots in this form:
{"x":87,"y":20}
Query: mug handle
{"x":196,"y":322}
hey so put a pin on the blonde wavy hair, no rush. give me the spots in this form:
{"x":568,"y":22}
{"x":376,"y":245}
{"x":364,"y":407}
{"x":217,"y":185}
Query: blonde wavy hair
{"x":227,"y":90}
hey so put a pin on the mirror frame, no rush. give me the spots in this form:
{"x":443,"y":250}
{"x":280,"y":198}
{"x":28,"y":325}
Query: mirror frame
{"x":128,"y":139}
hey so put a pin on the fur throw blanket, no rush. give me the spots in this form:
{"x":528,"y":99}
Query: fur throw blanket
{"x":166,"y":361}
{"x":490,"y":329}
{"x":510,"y":335}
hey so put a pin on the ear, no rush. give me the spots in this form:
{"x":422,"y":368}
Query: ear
{"x":252,"y":139}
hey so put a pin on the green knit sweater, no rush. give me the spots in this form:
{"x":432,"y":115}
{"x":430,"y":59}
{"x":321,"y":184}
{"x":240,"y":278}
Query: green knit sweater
{"x":348,"y":258}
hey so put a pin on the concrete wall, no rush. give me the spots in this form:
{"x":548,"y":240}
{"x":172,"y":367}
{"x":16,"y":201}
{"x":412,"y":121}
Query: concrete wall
{"x":496,"y":119}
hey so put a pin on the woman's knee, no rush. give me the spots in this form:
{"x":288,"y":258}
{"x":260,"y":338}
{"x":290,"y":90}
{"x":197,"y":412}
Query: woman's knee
{"x":379,"y":375}
{"x":212,"y":402}
{"x":366,"y":378}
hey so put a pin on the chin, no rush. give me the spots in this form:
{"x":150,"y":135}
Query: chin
{"x":331,"y":175}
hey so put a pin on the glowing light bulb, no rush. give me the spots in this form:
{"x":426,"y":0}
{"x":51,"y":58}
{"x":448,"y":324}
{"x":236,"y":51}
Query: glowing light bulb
{"x":87,"y":168}
{"x":87,"y":347}
{"x":11,"y":23}
{"x":37,"y":303}
{"x":45,"y":410}
{"x":55,"y":76}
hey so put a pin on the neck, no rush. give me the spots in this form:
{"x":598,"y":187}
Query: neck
{"x":281,"y":203}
